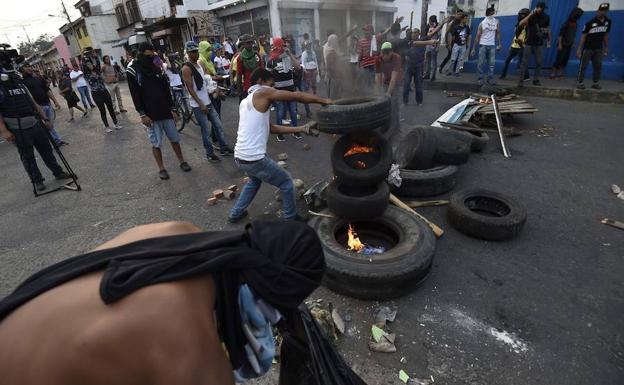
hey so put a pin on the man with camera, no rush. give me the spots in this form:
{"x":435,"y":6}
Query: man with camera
{"x":23,"y":122}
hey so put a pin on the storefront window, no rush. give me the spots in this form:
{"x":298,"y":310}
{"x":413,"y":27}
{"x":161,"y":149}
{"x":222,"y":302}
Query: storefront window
{"x":383,"y":20}
{"x":296,"y":22}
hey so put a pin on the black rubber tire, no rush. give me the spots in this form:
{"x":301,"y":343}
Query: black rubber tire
{"x":392,"y":274}
{"x":505,"y":219}
{"x":352,"y":202}
{"x":354,"y":114}
{"x":369,"y":176}
{"x":422,"y":183}
{"x":416,"y":149}
{"x":479,"y":141}
{"x":451,"y":151}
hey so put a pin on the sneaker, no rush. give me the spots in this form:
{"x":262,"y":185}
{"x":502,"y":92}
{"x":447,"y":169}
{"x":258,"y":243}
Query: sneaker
{"x":185,"y":167}
{"x":580,"y":86}
{"x":62,"y":175}
{"x":285,"y":122}
{"x":298,"y":136}
{"x":39,"y":186}
{"x":280,"y":138}
{"x":596,"y":86}
{"x":163,"y":174}
{"x":238,"y":218}
{"x":108,"y":130}
{"x":537,"y":83}
{"x":117,"y":126}
{"x":226,"y":151}
{"x":213,"y":158}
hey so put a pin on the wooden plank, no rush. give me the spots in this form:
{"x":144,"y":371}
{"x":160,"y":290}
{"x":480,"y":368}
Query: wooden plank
{"x":612,"y":223}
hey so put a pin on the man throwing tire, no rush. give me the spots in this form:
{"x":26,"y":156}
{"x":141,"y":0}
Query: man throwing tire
{"x":254,"y":128}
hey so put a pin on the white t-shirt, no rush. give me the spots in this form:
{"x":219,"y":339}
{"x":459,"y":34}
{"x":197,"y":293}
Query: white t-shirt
{"x":222,"y":63}
{"x":488,"y":31}
{"x":253,"y":129}
{"x":308,"y":60}
{"x":175,"y":80}
{"x":81,"y":82}
{"x":201,"y":94}
{"x":228,"y":48}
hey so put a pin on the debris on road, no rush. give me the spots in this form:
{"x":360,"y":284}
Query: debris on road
{"x":320,"y":214}
{"x":233,"y":188}
{"x":403,"y":360}
{"x":211,"y":201}
{"x":613,"y":223}
{"x":229,"y":194}
{"x":307,"y":147}
{"x":394,"y":176}
{"x":298,"y":183}
{"x":382,"y":342}
{"x":338,"y":321}
{"x":403,"y":376}
{"x":282,"y":164}
{"x":282,"y":156}
{"x":384,"y":314}
{"x":616,"y":189}
{"x":217,"y":193}
{"x":399,"y":203}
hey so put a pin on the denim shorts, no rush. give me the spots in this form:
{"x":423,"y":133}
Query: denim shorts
{"x":159,"y":128}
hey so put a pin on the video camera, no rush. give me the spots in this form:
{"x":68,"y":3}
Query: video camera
{"x":9,"y":58}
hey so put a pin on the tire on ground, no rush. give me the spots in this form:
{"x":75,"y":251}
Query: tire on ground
{"x":354,"y":114}
{"x":377,"y":163}
{"x":394,"y":273}
{"x":479,"y":141}
{"x":451,"y":151}
{"x":486,"y":214}
{"x":421,"y":183}
{"x":353,"y":202}
{"x":416,"y":149}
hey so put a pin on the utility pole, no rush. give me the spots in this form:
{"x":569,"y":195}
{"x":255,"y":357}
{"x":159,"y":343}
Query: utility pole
{"x":423,"y":15}
{"x":71,"y":26}
{"x":26,"y":33}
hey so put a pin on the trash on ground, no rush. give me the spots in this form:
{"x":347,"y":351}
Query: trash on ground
{"x":616,"y":189}
{"x":403,"y":376}
{"x":298,"y":183}
{"x":613,"y":223}
{"x":307,"y":147}
{"x":282,"y":164}
{"x":217,"y":193}
{"x":229,"y":194}
{"x":377,"y":333}
{"x":394,"y":176}
{"x":338,"y":322}
{"x":211,"y":201}
{"x":403,"y":360}
{"x":282,"y":156}
{"x":385,"y":345}
{"x":384,"y":314}
{"x":315,"y":196}
{"x":233,"y":188}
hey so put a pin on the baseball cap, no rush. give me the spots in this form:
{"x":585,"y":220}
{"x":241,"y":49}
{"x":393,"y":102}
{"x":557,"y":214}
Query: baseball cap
{"x":603,"y":7}
{"x":246,"y":38}
{"x":386,"y":45}
{"x":191,"y":46}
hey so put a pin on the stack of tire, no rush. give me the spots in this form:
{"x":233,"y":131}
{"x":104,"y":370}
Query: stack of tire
{"x":431,"y":156}
{"x":362,"y":194}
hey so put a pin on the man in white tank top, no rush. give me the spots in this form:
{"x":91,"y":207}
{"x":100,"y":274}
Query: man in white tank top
{"x":254,"y":128}
{"x":488,"y":35}
{"x":197,"y":84}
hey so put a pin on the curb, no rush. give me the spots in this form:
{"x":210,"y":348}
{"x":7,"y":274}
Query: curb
{"x":587,"y":95}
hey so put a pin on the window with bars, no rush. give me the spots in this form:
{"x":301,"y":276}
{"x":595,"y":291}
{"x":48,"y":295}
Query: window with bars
{"x":120,"y":12}
{"x":133,"y":11}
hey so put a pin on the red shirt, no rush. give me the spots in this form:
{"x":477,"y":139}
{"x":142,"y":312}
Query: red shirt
{"x":246,"y":73}
{"x":385,"y":68}
{"x":364,"y":54}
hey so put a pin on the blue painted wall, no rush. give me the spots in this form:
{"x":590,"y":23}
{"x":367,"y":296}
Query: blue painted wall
{"x":613,"y":65}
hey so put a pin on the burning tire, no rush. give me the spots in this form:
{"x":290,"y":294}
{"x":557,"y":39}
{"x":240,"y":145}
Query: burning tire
{"x":354,"y":114}
{"x":409,"y":248}
{"x":421,"y":183}
{"x":357,"y":202}
{"x":486,"y":215}
{"x":361,"y":159}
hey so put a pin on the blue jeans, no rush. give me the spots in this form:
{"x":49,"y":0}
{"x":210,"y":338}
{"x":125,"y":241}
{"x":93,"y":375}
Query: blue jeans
{"x":432,"y":57}
{"x":49,"y":111}
{"x":265,"y":170}
{"x":213,"y":117}
{"x":281,"y":112}
{"x":486,"y":52}
{"x":85,"y":97}
{"x":414,"y":72}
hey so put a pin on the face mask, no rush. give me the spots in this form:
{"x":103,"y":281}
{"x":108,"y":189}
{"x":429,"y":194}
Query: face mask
{"x":490,"y":17}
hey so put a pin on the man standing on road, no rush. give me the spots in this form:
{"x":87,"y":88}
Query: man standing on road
{"x":414,"y":58}
{"x":149,"y":88}
{"x":80,"y":82}
{"x":538,"y":29}
{"x":367,"y":55}
{"x":42,"y":94}
{"x":111,"y":78}
{"x":248,"y":60}
{"x":251,"y":144}
{"x":489,"y":41}
{"x":388,"y":76}
{"x":594,"y":45}
{"x":283,"y":63}
{"x":448,"y":36}
{"x":197,"y":86}
{"x":461,"y":40}
{"x":23,"y":122}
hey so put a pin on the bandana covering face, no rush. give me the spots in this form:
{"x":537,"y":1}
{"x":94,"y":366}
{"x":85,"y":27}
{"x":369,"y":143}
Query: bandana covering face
{"x":250,"y":60}
{"x":278,"y":48}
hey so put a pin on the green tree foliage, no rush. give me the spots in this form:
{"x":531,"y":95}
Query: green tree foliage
{"x":40,"y":45}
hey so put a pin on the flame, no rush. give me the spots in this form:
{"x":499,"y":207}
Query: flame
{"x":360,"y":164}
{"x":357,"y":149}
{"x":354,"y":242}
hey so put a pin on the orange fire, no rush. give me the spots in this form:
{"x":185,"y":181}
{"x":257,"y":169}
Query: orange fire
{"x":354,"y":242}
{"x":360,"y":164}
{"x":357,"y":149}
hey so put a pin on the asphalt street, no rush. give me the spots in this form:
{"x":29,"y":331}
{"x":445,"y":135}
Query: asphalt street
{"x":543,"y":308}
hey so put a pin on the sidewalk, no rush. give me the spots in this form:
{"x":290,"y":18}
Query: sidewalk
{"x":612,"y":91}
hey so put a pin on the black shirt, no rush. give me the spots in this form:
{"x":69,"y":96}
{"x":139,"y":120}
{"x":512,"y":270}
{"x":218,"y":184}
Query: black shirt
{"x":536,"y":29}
{"x":38,"y":88}
{"x":283,"y":73}
{"x":461,"y":33}
{"x":150,"y":94}
{"x":596,"y":31}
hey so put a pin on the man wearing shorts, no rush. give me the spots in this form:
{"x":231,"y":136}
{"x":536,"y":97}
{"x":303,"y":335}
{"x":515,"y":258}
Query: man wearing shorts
{"x":149,"y":88}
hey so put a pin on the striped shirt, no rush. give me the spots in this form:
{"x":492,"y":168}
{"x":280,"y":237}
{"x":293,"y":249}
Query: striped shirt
{"x":364,"y":53}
